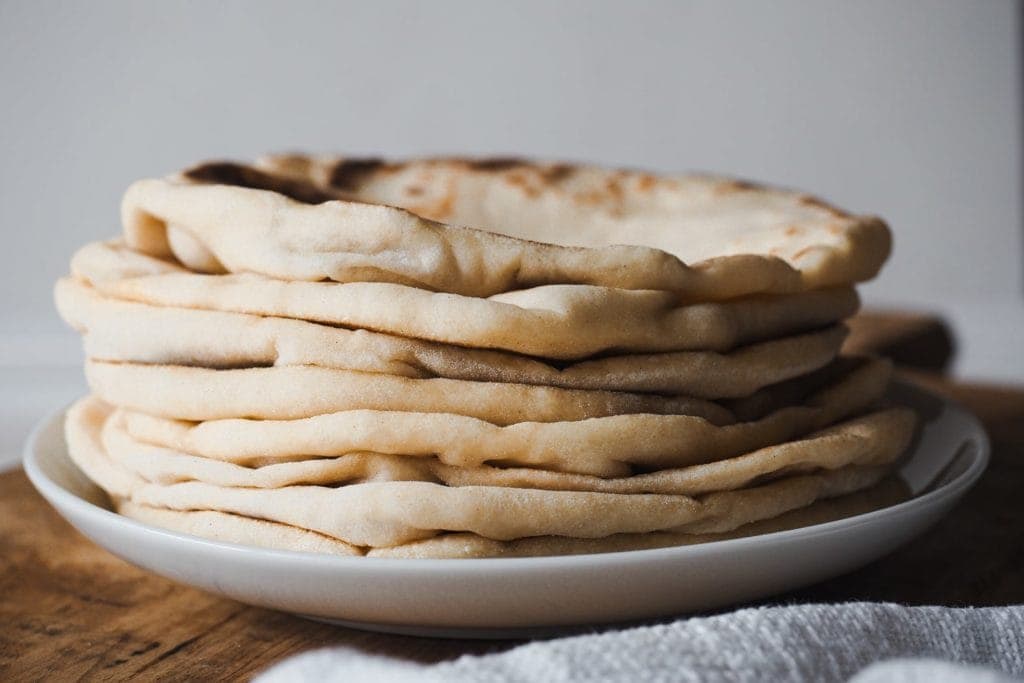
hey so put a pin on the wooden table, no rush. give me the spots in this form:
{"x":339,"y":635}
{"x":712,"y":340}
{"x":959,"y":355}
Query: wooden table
{"x":70,"y":610}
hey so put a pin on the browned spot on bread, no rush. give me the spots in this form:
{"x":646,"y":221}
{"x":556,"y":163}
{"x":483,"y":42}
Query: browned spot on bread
{"x":414,"y":190}
{"x":645,"y":182}
{"x":808,"y":200}
{"x":523,"y":181}
{"x":350,"y":174}
{"x":228,"y":173}
{"x":518,"y":179}
{"x":614,"y":188}
{"x":793,"y":230}
{"x":730,"y":186}
{"x":441,"y":209}
{"x":495,"y":164}
{"x":556,"y":173}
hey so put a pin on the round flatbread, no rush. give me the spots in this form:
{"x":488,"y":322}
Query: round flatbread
{"x":605,"y":447}
{"x":352,"y":221}
{"x":228,"y":528}
{"x":293,"y":392}
{"x":874,"y":439}
{"x":381,"y":514}
{"x":889,"y":491}
{"x":117,"y":330}
{"x":245,"y":530}
{"x":391,"y":513}
{"x":221,"y":526}
{"x":555,"y":321}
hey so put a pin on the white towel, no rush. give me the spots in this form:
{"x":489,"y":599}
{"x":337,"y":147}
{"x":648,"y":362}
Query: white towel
{"x":788,"y":643}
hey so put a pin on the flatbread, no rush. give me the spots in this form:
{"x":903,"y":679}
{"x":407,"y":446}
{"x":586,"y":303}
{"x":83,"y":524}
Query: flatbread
{"x":228,"y":528}
{"x":220,"y":526}
{"x":890,"y":491}
{"x":604,"y":447}
{"x":116,"y":330}
{"x":350,"y":221}
{"x":874,"y":439}
{"x":83,"y":432}
{"x":556,"y":321}
{"x":393,"y":513}
{"x":245,"y":530}
{"x":294,"y":392}
{"x":390,"y":513}
{"x":313,"y":354}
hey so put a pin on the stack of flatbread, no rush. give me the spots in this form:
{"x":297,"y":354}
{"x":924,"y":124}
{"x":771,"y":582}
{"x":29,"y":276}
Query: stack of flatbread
{"x":314,"y":354}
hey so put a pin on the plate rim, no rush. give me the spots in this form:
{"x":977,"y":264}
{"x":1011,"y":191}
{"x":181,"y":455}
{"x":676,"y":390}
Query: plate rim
{"x":951,"y":489}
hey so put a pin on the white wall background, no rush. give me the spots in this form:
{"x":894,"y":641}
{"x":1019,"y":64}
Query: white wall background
{"x":909,"y":109}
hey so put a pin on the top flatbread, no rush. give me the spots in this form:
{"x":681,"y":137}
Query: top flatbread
{"x":350,"y":220}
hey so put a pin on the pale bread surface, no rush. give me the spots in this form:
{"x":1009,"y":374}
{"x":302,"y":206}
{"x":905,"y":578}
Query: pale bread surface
{"x":605,"y":447}
{"x":873,"y":439}
{"x":228,"y":528}
{"x":294,"y":392}
{"x":220,"y":526}
{"x":889,"y":491}
{"x":87,"y":450}
{"x":117,"y":330}
{"x":391,"y":513}
{"x":555,"y":321}
{"x":316,"y":219}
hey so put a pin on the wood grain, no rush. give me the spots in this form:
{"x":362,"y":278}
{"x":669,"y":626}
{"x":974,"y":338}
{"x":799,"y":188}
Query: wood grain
{"x":70,"y":610}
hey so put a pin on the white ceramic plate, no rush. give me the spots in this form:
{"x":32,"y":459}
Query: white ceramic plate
{"x":528,"y":596}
